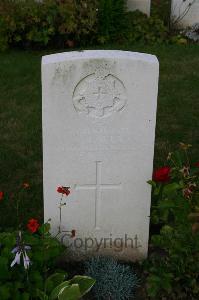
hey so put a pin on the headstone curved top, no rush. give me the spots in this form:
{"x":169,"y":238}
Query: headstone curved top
{"x":99,"y":113}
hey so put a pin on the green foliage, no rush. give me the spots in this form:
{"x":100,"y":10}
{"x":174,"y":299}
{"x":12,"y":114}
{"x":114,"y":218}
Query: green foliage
{"x":43,"y":255}
{"x":113,"y":280}
{"x":162,"y":10}
{"x":111,"y":20}
{"x":56,"y":288}
{"x":31,"y":283}
{"x":34,"y":23}
{"x":68,"y":23}
{"x":174,"y":262}
{"x":141,"y":28}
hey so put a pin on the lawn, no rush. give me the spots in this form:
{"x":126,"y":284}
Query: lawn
{"x":21,"y":130}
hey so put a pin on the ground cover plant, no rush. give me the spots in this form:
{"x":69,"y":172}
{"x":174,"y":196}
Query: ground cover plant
{"x":113,"y":280}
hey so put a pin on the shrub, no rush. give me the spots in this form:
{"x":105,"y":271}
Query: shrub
{"x":113,"y":280}
{"x":145,"y":29}
{"x":111,"y":20}
{"x":174,"y":262}
{"x":70,"y":23}
{"x":162,"y":10}
{"x":48,"y":22}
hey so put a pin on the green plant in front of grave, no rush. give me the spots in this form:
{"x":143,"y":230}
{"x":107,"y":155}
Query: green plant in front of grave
{"x":113,"y":280}
{"x":56,"y":287}
{"x":25,"y":260}
{"x":174,"y":261}
{"x":29,"y":259}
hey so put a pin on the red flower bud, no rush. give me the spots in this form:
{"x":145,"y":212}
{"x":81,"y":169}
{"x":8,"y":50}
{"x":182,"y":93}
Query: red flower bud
{"x":33,"y":225}
{"x":1,"y":195}
{"x":63,"y":190}
{"x":162,"y":174}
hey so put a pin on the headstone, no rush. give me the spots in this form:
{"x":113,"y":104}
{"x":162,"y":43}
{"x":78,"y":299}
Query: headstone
{"x":99,"y":115}
{"x":142,"y":5}
{"x":186,"y":11}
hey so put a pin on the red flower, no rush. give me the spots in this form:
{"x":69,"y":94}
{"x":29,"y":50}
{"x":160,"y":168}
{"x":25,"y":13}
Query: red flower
{"x":197,"y":164}
{"x":73,"y":233}
{"x":1,"y":195}
{"x":33,"y":225}
{"x":63,"y":190}
{"x":162,"y":174}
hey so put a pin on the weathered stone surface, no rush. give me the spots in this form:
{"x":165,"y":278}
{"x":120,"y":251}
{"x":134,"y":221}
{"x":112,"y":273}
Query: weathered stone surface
{"x":142,"y":5}
{"x":99,"y":114}
{"x":187,"y":12}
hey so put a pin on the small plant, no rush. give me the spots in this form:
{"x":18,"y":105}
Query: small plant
{"x":113,"y":280}
{"x":56,"y":287}
{"x":193,"y":33}
{"x":29,"y":256}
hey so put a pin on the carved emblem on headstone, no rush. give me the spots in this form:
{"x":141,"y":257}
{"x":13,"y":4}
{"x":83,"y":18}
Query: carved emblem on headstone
{"x":99,"y":96}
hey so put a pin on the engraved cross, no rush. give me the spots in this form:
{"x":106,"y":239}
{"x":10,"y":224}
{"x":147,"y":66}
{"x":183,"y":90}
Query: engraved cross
{"x":99,"y":100}
{"x":98,"y":187}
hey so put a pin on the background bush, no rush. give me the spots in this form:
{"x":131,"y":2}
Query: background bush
{"x":50,"y":22}
{"x":112,"y":19}
{"x":162,"y":10}
{"x":141,"y":28}
{"x":70,"y":23}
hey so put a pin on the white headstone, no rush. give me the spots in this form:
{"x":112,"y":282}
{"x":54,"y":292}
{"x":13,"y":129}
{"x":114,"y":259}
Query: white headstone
{"x":99,"y":115}
{"x":186,"y":11}
{"x":142,"y":5}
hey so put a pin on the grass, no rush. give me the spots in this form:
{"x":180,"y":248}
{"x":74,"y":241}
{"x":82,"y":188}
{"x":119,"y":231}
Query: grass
{"x":20,"y":126}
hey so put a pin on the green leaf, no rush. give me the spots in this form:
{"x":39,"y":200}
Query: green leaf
{"x":58,"y":289}
{"x":45,"y":228}
{"x":53,"y":281}
{"x":70,"y":293}
{"x":157,"y":189}
{"x":41,"y":295}
{"x":170,"y":188}
{"x":85,"y":283}
{"x":26,"y":296}
{"x":4,"y":272}
{"x":152,"y":183}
